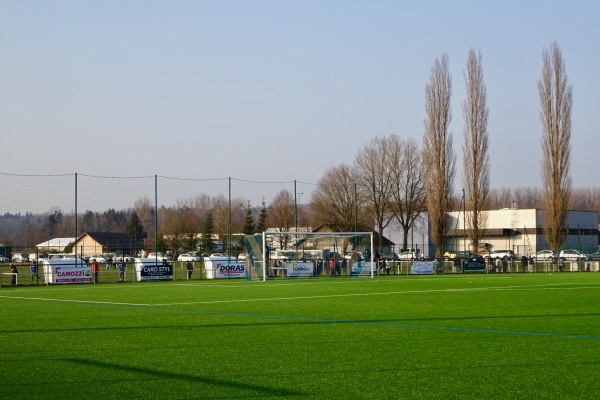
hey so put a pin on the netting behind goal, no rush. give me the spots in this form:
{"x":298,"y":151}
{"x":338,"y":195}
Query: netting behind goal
{"x":309,"y":254}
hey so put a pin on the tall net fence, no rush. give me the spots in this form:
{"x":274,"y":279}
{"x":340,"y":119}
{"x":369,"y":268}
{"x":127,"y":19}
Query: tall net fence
{"x":36,"y":208}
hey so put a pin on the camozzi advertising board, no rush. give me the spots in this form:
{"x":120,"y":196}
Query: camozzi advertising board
{"x":66,"y":271}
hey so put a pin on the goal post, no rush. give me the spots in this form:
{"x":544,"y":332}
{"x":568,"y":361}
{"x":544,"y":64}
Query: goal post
{"x":315,"y":254}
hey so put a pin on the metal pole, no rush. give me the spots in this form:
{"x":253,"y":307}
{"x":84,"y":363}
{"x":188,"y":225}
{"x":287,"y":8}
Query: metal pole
{"x":75,"y":241}
{"x":229,"y":228}
{"x":156,"y":215}
{"x":296,"y":209}
{"x":464,"y":228}
{"x":264,"y":256}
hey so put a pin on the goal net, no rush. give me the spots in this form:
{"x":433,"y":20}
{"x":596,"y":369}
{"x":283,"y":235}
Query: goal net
{"x":309,"y":254}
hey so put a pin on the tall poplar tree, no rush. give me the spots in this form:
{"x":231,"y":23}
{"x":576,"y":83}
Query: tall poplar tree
{"x":438,"y":155}
{"x":476,"y":167}
{"x":556,"y":98}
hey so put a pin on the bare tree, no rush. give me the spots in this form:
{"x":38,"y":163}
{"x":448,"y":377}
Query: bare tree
{"x":338,"y":203}
{"x":556,"y":98}
{"x":476,"y":165}
{"x":438,"y":154}
{"x":373,"y":177}
{"x":281,"y":215}
{"x":145,"y":210}
{"x":336,"y":200}
{"x":408,"y":190}
{"x":180,"y":225}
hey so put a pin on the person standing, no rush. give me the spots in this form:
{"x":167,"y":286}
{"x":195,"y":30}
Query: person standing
{"x":122,"y":270}
{"x":13,"y":270}
{"x":34,"y":271}
{"x":95,"y":270}
{"x":561,"y":264}
{"x":189,"y":268}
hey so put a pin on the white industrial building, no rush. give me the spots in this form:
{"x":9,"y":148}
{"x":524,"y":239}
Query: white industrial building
{"x":522,"y":231}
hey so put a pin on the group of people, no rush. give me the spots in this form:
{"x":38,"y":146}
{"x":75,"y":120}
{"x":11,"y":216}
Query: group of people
{"x":96,"y":269}
{"x":15,"y":273}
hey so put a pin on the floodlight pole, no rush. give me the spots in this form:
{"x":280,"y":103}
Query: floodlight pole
{"x":156,"y":215}
{"x":75,"y":241}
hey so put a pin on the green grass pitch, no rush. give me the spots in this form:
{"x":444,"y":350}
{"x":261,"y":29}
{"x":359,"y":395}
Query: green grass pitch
{"x":505,"y":336}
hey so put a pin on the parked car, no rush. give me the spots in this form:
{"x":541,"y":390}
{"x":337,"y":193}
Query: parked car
{"x":502,"y":254}
{"x":190,"y":256}
{"x":20,"y":257}
{"x":574,"y":255}
{"x":595,"y":255}
{"x":545,"y":255}
{"x":469,"y":255}
{"x":410,"y":255}
{"x":98,"y":257}
{"x":161,"y":256}
{"x":390,"y":255}
{"x":4,"y":260}
{"x":37,"y":257}
{"x":450,"y":255}
{"x":124,"y":257}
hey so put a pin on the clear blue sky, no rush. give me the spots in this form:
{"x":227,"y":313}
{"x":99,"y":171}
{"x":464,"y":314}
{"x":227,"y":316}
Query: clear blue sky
{"x":277,"y":90}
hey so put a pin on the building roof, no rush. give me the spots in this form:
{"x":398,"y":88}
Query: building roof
{"x":112,"y":239}
{"x":57,"y":242}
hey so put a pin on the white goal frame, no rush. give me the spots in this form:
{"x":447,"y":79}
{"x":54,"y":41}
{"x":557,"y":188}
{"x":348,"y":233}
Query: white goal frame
{"x":315,"y":234}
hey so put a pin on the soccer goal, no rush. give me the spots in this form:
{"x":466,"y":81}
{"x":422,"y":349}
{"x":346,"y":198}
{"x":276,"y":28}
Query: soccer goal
{"x":311,"y":254}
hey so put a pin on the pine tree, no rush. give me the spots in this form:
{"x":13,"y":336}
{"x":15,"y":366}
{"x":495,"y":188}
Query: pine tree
{"x":207,"y":232}
{"x":261,"y":224}
{"x":134,"y":227}
{"x":248,"y":228}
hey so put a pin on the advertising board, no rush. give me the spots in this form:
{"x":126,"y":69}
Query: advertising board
{"x":224,"y":267}
{"x":421,"y":268}
{"x":299,"y":268}
{"x":364,"y":268}
{"x":152,"y":269}
{"x":66,"y":271}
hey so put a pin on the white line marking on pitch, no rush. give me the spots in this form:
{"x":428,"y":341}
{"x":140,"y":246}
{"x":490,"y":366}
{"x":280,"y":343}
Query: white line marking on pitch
{"x":554,"y":286}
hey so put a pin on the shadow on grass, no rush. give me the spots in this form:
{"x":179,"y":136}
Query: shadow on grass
{"x":266,"y":390}
{"x":291,"y":320}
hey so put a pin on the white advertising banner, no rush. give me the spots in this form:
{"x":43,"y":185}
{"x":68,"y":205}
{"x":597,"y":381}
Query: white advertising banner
{"x":421,"y":268}
{"x":230,"y":270}
{"x":66,"y":271}
{"x":363,"y":268}
{"x":299,"y":268}
{"x":223,"y":267}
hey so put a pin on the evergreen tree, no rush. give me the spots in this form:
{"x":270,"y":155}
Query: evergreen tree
{"x":261,"y":224}
{"x":134,"y":227}
{"x":248,"y":228}
{"x":161,"y":244}
{"x":207,"y":232}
